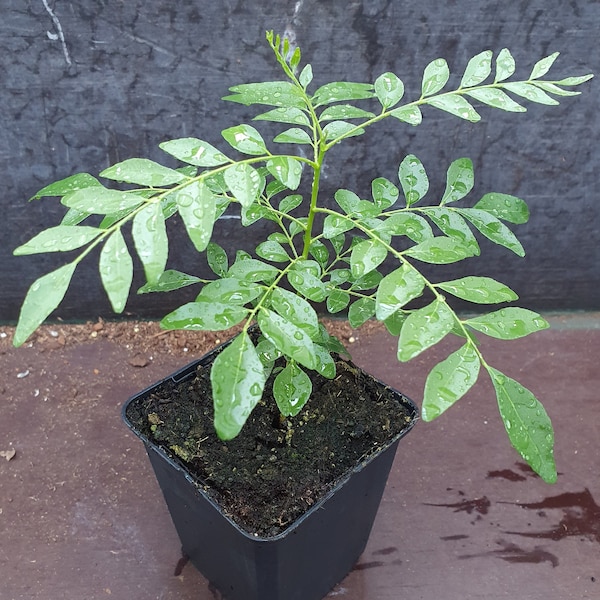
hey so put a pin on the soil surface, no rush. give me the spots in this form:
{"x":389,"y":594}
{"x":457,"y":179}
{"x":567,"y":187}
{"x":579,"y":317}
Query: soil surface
{"x":276,"y":468}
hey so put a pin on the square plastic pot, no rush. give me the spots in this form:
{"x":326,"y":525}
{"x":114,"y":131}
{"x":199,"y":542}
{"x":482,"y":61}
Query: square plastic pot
{"x":305,"y":561}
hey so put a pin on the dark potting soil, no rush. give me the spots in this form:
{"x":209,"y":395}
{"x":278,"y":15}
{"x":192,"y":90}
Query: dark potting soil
{"x":275,"y":469}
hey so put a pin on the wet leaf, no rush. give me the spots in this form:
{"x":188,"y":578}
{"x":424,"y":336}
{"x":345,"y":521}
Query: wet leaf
{"x":351,"y":204}
{"x":496,"y":98}
{"x":542,"y":66}
{"x":195,"y":152}
{"x":150,"y":240}
{"x":413,"y":179}
{"x":245,"y":139}
{"x":478,"y":69}
{"x":43,"y":296}
{"x":287,"y":337}
{"x":296,"y":310}
{"x":509,"y":208}
{"x":459,"y":180}
{"x":344,"y":111}
{"x":341,"y":129}
{"x":238,"y":380}
{"x":531,"y":93}
{"x":527,"y":424}
{"x":291,"y":115}
{"x":292,"y":389}
{"x":337,"y":301}
{"x":493,"y":229}
{"x":424,"y":328}
{"x":59,"y":239}
{"x":457,"y":106}
{"x":384,"y":192}
{"x":294,"y":135}
{"x":339,"y":91}
{"x":70,"y":184}
{"x":244,"y":183}
{"x":308,"y":285}
{"x":412,"y":226}
{"x":169,"y":281}
{"x":366,"y":256}
{"x":435,"y":77}
{"x":98,"y":200}
{"x":271,"y":93}
{"x":286,"y":170}
{"x":116,"y":270}
{"x":408,"y":114}
{"x":204,"y":315}
{"x":254,"y":270}
{"x":396,"y":290}
{"x":143,"y":172}
{"x":273,"y":251}
{"x":306,"y":76}
{"x":449,"y":381}
{"x":505,"y":65}
{"x":454,"y":226}
{"x":440,"y":250}
{"x":389,"y":89}
{"x":197,"y":207}
{"x":395,"y":322}
{"x":230,"y":291}
{"x":361,"y":311}
{"x":217,"y":259}
{"x":482,"y":290}
{"x":508,"y":323}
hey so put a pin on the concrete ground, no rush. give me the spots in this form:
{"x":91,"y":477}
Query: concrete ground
{"x":82,"y":518}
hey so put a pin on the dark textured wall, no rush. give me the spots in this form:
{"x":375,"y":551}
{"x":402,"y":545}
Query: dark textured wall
{"x":88,"y":83}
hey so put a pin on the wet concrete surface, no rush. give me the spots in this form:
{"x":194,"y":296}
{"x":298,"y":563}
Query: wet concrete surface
{"x":81,"y":516}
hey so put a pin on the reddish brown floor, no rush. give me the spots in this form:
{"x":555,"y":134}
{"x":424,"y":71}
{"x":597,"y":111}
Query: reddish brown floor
{"x":81,"y":517}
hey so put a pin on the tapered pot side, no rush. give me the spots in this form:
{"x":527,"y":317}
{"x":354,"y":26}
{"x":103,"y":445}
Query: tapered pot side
{"x":303,"y":562}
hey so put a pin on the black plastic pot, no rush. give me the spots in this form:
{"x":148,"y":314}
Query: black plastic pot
{"x":302,"y":563}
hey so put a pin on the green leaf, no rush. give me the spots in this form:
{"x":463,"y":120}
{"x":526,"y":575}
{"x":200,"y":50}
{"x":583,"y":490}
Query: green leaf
{"x":478,"y":69}
{"x":339,"y":91}
{"x":543,"y":66}
{"x":325,"y":363}
{"x":289,"y":203}
{"x":291,"y":115}
{"x":361,"y":311}
{"x":454,"y":226}
{"x":384,"y":192}
{"x":435,"y":77}
{"x":366,"y":256}
{"x":254,"y":270}
{"x":295,"y":309}
{"x":169,"y":281}
{"x":294,"y":135}
{"x":151,"y":242}
{"x":143,"y":172}
{"x":337,"y":301}
{"x":308,"y":285}
{"x":396,"y":290}
{"x":508,"y":323}
{"x":449,"y":381}
{"x":574,"y":80}
{"x":413,"y":179}
{"x":245,"y":139}
{"x":497,"y":99}
{"x":197,"y":208}
{"x":493,"y":229}
{"x":367,"y":282}
{"x":351,"y":204}
{"x":194,"y":152}
{"x":74,"y":217}
{"x":271,"y":93}
{"x":230,"y":291}
{"x":273,"y":251}
{"x":440,"y":250}
{"x":70,"y":184}
{"x":395,"y":322}
{"x":99,"y":200}
{"x":59,"y":239}
{"x":306,"y":76}
{"x":255,"y":212}
{"x":44,"y":295}
{"x":287,"y":337}
{"x":238,"y":380}
{"x":292,"y":389}
{"x":340,"y":129}
{"x":509,"y":208}
{"x":424,"y":328}
{"x":531,"y":93}
{"x":554,"y":89}
{"x":481,"y":290}
{"x":389,"y":89}
{"x":344,"y":111}
{"x":116,"y":270}
{"x":320,"y":252}
{"x":527,"y":424}
{"x":459,"y":180}
{"x":412,"y":226}
{"x":408,"y":114}
{"x":286,"y":170}
{"x":505,"y":65}
{"x":204,"y":315}
{"x":244,"y":182}
{"x":457,"y":106}
{"x":217,"y":259}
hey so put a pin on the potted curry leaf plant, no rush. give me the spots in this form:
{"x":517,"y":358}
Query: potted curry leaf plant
{"x":261,"y":389}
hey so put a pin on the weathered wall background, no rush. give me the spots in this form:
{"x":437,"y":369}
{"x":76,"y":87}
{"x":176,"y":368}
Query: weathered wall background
{"x":88,"y":83}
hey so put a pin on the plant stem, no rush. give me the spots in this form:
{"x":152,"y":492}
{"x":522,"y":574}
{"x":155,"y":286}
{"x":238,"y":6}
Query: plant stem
{"x":314,"y":196}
